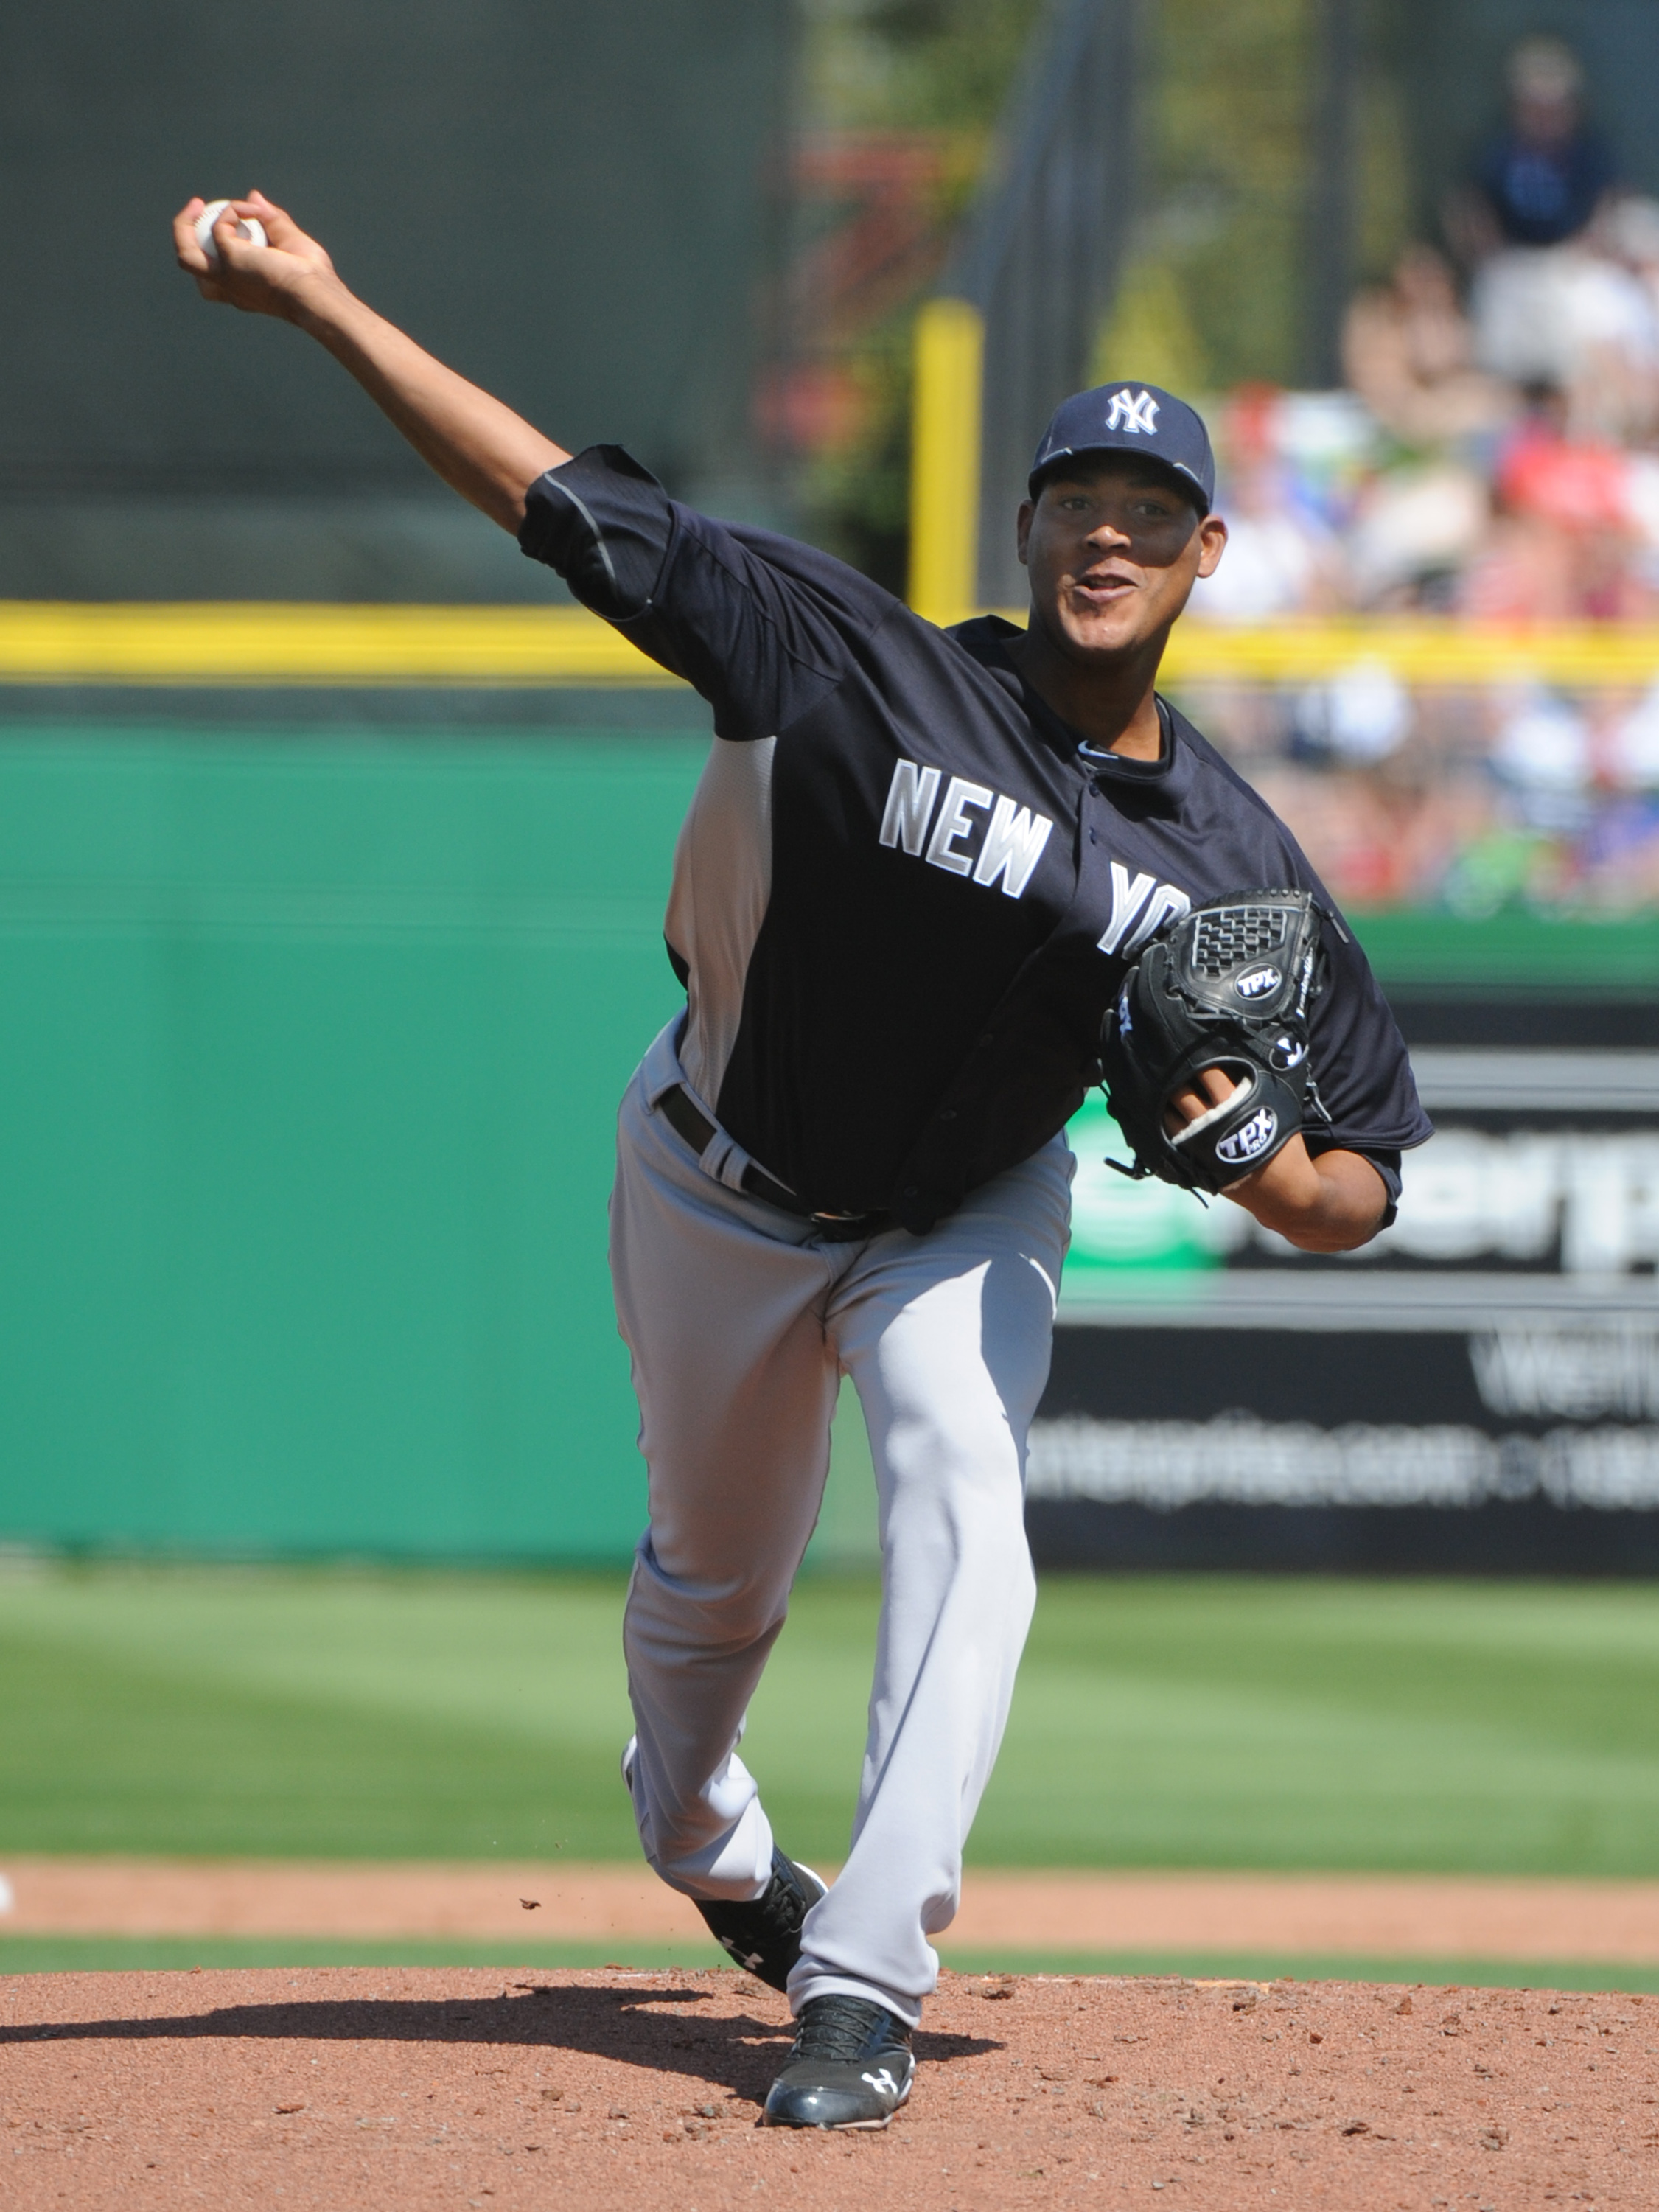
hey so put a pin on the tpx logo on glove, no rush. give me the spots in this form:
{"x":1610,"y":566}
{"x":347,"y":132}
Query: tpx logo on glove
{"x":1257,"y":1133}
{"x":1256,"y":983}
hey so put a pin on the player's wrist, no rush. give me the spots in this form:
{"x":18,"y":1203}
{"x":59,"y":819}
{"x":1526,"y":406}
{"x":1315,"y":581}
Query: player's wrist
{"x":1284,"y":1192}
{"x":320,"y":303}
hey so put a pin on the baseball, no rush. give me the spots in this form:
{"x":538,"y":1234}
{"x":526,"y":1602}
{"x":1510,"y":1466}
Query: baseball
{"x":249,"y":228}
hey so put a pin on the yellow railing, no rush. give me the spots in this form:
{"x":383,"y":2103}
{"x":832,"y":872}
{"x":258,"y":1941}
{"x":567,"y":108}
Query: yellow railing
{"x":61,"y":641}
{"x":1421,"y":652}
{"x":945,"y":437}
{"x":46,"y":641}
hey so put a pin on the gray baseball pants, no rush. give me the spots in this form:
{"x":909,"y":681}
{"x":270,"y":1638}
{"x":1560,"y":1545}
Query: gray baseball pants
{"x":741,"y":1320}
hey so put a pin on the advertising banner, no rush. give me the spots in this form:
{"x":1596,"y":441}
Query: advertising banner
{"x":1476,"y":1389}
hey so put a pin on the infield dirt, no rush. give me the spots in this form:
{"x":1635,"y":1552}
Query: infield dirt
{"x":376,"y":2088}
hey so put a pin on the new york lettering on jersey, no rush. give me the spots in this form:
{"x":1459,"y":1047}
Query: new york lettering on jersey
{"x":1009,"y":849}
{"x":1141,"y":906}
{"x":1002,"y":845}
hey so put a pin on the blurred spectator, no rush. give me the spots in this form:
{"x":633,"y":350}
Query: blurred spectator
{"x":1382,"y":836}
{"x":1524,"y":573}
{"x":1563,"y":296}
{"x":1282,"y":556}
{"x":1627,"y":232}
{"x":1360,"y":716}
{"x":1541,"y":754}
{"x":1567,"y":318}
{"x":1632,"y":745}
{"x":1575,"y":483}
{"x":1500,"y":464}
{"x":1615,"y":868}
{"x":1540,"y":183}
{"x":1413,"y":532}
{"x":1279,"y":561}
{"x":1408,"y":351}
{"x":1613,"y":386}
{"x":1572,"y":534}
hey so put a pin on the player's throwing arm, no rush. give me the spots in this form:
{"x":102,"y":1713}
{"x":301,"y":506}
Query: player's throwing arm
{"x":479,"y":447}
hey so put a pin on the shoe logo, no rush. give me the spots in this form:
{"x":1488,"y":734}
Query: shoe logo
{"x":881,"y":2079}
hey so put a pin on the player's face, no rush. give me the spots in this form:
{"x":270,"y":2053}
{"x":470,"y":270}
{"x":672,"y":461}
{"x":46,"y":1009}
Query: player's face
{"x":1113,"y":552}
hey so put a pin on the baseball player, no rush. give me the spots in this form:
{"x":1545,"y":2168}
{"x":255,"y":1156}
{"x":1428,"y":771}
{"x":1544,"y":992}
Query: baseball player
{"x":912,"y":881}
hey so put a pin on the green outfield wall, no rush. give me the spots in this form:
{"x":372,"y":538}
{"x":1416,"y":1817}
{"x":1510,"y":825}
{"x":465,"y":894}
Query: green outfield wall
{"x":310,"y":1045}
{"x":311,"y":1052}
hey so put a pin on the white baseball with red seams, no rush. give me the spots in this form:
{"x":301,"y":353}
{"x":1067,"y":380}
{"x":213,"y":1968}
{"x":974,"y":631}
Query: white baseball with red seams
{"x":248,"y":227}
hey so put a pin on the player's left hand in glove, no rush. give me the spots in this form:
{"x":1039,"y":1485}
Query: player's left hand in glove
{"x":1227,"y":986}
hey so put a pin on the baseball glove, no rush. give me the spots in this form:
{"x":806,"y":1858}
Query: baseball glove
{"x":1227,"y":986}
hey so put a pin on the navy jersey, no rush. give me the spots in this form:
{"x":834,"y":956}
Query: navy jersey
{"x":906,"y":892}
{"x":1542,"y":195}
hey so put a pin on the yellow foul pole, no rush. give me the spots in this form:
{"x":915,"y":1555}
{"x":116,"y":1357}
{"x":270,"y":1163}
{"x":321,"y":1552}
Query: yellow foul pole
{"x":945,"y":459}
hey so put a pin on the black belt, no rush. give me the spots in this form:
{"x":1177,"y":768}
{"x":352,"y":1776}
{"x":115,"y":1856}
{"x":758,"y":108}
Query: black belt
{"x":698,"y":1131}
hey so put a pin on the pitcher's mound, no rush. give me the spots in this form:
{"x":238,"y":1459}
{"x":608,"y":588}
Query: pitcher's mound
{"x":385,"y":2089}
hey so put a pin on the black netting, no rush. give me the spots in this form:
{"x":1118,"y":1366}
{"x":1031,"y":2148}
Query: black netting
{"x":1231,"y":934}
{"x":574,"y":205}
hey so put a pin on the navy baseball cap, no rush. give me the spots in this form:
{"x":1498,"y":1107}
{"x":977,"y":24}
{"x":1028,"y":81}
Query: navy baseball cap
{"x":1131,"y":418}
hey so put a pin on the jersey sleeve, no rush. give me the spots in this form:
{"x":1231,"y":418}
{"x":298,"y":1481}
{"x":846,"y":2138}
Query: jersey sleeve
{"x":762,"y":627}
{"x":1360,"y":1064}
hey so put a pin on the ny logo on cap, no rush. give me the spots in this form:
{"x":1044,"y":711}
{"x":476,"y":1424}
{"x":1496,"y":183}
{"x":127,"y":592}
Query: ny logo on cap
{"x":1134,"y":412}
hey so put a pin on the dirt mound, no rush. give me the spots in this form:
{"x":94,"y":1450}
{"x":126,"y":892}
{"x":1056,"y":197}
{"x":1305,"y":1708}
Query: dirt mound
{"x":377,"y":2088}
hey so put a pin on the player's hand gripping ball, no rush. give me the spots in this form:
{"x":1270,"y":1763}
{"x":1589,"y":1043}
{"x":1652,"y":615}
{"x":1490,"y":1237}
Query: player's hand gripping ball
{"x":1228,"y":986}
{"x":248,"y":227}
{"x":271,"y":268}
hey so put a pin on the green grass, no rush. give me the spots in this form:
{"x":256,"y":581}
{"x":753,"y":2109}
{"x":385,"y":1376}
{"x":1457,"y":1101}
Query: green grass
{"x":1487,"y":1728}
{"x":96,"y":1954}
{"x":285,"y":1713}
{"x":1202,"y":1722}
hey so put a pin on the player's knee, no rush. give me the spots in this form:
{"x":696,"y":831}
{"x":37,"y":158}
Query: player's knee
{"x":964,"y":1472}
{"x":701,"y":1606}
{"x":964,"y":1447}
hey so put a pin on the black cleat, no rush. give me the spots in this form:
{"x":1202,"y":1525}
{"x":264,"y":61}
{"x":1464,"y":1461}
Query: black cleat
{"x":851,"y":2066}
{"x":764,"y":1934}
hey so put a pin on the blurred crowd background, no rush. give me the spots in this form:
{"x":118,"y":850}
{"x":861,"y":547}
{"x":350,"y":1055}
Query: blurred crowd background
{"x":1454,"y":415}
{"x":1406,"y":257}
